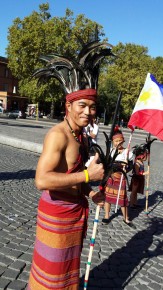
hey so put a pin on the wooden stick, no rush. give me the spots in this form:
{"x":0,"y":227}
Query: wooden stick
{"x":119,"y":189}
{"x":147,"y":192}
{"x":147,"y":178}
{"x":124,"y":168}
{"x":147,"y":185}
{"x":92,"y":243}
{"x":108,"y":144}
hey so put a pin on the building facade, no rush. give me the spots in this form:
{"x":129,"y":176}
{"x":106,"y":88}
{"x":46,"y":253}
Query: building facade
{"x":9,"y":97}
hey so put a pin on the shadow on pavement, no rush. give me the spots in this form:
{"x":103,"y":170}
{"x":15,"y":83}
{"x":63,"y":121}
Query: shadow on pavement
{"x":21,"y":174}
{"x":125,"y":263}
{"x":154,"y":200}
{"x":20,"y":125}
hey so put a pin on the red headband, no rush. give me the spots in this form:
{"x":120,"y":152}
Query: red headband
{"x":140,"y":156}
{"x":89,"y":94}
{"x":117,"y":136}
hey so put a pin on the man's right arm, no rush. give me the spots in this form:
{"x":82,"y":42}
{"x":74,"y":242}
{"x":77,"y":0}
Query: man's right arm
{"x":48,"y":176}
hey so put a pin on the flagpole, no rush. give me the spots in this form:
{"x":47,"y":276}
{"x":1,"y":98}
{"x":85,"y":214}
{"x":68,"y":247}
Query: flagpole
{"x":124,"y":169}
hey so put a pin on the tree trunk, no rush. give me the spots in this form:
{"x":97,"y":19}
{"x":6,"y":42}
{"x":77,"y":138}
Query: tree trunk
{"x":52,"y":109}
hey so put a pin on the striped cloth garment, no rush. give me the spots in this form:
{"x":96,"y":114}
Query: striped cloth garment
{"x":61,"y":226}
{"x":112,"y":188}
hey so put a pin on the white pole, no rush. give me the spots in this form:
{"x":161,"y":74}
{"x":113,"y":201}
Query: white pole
{"x":124,"y":168}
{"x":92,"y":242}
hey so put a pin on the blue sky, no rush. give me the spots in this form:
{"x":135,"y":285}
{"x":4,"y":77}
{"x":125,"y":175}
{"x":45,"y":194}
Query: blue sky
{"x":134,"y":21}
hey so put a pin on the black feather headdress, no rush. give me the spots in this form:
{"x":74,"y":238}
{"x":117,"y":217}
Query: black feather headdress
{"x":75,"y":74}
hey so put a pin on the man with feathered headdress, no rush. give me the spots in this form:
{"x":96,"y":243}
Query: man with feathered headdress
{"x":63,"y":206}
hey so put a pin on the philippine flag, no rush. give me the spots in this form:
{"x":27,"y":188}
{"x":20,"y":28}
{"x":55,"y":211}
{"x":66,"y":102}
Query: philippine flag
{"x":148,"y":111}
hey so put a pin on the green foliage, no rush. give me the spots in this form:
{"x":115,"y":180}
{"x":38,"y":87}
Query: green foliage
{"x":129,"y":70}
{"x":108,"y":94}
{"x":158,"y":69}
{"x":41,"y":34}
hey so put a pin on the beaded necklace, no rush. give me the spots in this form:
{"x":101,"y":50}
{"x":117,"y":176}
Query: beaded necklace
{"x":72,"y":131}
{"x":82,"y":149}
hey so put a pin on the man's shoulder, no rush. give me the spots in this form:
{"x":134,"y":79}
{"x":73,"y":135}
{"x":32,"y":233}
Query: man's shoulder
{"x":55,"y":139}
{"x":57,"y":131}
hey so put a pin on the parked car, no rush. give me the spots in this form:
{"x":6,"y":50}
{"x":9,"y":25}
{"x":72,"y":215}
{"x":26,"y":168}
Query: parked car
{"x":1,"y":110}
{"x":22,"y":115}
{"x":16,"y":114}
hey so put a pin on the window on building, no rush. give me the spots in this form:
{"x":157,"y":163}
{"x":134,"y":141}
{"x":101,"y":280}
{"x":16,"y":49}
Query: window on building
{"x":6,"y":72}
{"x":5,"y":87}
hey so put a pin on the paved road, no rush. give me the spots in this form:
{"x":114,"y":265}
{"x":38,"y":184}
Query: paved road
{"x":29,"y":134}
{"x":123,"y":258}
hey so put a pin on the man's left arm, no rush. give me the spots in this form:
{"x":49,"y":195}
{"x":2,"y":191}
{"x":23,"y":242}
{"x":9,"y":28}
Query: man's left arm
{"x":97,"y":197}
{"x":86,"y":189}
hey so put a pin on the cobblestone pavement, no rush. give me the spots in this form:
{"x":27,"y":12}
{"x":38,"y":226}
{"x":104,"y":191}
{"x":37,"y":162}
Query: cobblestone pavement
{"x":123,"y":258}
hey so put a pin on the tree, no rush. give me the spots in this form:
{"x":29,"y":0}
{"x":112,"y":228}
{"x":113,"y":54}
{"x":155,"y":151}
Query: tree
{"x":41,"y":34}
{"x":158,"y":69}
{"x":108,"y":92}
{"x":128,"y":72}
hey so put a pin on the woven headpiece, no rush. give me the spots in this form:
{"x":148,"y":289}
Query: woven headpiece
{"x":117,"y":133}
{"x":79,"y":78}
{"x":140,"y":150}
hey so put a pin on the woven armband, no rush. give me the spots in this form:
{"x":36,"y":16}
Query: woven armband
{"x":86,"y":176}
{"x":141,"y":172}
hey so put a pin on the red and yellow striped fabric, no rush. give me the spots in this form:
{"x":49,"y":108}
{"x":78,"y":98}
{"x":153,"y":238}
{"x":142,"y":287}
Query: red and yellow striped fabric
{"x":61,"y":226}
{"x":112,"y":188}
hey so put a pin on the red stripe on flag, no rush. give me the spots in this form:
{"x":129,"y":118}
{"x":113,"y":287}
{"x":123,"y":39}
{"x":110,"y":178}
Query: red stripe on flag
{"x":151,"y":120}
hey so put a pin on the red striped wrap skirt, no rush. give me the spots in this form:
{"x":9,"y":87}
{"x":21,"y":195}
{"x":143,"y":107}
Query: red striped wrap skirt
{"x":112,"y":188}
{"x":61,"y":227}
{"x":137,"y":184}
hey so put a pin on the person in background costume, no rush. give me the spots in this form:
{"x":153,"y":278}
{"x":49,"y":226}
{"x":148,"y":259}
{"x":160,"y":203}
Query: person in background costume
{"x":92,"y":132}
{"x":121,"y":123}
{"x":61,"y":175}
{"x":113,"y":183}
{"x":138,"y":177}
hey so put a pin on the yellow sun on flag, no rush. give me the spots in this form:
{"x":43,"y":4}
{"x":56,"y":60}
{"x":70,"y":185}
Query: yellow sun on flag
{"x":145,"y":97}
